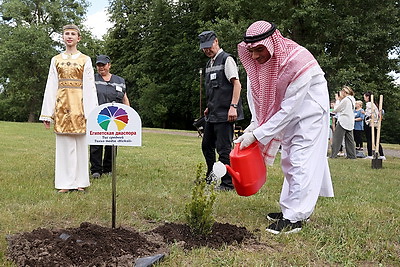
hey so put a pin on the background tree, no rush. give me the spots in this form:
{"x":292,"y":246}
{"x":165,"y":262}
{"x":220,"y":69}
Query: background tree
{"x":154,"y":46}
{"x":351,"y":40}
{"x":30,"y":37}
{"x":155,"y":42}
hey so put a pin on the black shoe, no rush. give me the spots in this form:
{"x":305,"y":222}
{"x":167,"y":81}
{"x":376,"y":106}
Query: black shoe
{"x":273,"y":216}
{"x":208,"y":179}
{"x":96,"y":175}
{"x":284,"y":226}
{"x":224,"y":188}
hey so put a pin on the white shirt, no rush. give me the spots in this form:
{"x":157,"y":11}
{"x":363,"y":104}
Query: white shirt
{"x":346,"y":109}
{"x":230,"y":68}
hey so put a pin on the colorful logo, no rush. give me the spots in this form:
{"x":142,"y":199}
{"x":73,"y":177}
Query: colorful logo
{"x":112,"y":114}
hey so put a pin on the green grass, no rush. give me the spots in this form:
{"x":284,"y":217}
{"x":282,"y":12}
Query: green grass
{"x":359,"y":227}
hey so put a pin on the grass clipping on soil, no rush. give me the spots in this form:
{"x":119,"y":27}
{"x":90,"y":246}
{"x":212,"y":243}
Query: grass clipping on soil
{"x":199,"y":211}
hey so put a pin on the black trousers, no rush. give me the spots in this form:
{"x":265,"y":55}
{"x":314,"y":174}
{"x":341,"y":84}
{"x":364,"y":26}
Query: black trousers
{"x":368,"y":135}
{"x":218,"y":137}
{"x":99,"y":163}
{"x":358,"y":138}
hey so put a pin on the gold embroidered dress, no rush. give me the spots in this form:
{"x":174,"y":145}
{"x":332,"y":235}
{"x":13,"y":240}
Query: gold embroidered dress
{"x":70,"y":93}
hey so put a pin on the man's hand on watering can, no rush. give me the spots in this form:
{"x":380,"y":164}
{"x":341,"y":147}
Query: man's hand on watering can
{"x":245,"y":140}
{"x":251,"y":127}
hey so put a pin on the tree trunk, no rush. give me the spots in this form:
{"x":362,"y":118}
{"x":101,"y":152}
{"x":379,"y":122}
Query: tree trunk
{"x":31,"y":117}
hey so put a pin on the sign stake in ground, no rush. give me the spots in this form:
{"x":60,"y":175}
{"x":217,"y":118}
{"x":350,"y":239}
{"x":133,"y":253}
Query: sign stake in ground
{"x":114,"y":186}
{"x":114,"y":124}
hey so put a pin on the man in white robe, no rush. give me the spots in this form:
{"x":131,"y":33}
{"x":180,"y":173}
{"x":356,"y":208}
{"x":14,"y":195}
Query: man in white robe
{"x":289,"y":102}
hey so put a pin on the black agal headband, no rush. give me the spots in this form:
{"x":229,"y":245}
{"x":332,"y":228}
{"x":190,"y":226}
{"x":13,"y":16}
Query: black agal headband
{"x":259,"y":37}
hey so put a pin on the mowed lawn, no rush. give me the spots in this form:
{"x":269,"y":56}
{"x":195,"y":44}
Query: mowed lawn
{"x":360,"y":226}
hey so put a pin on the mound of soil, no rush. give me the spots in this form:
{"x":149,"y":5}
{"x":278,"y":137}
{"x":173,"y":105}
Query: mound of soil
{"x":221,"y":234}
{"x":94,"y":245}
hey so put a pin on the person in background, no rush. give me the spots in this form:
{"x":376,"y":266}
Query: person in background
{"x":69,"y":98}
{"x":289,"y":102}
{"x":345,"y":104}
{"x":367,"y":125}
{"x":224,"y":106}
{"x":335,"y":120}
{"x":358,"y":125}
{"x":110,"y":88}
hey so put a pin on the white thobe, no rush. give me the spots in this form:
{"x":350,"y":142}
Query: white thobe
{"x":303,"y":123}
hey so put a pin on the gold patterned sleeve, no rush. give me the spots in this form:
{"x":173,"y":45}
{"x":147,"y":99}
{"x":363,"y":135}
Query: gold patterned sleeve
{"x":89,"y":89}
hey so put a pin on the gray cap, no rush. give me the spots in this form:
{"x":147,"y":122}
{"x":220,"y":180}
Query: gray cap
{"x":206,"y":39}
{"x":102,"y":59}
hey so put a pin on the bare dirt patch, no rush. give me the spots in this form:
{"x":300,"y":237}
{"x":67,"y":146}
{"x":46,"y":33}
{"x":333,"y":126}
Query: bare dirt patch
{"x":94,"y":245}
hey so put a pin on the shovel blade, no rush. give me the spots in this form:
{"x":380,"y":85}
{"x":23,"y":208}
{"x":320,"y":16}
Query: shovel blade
{"x":376,"y":164}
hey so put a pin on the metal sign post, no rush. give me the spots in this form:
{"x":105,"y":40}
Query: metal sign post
{"x":114,"y":185}
{"x":114,"y":124}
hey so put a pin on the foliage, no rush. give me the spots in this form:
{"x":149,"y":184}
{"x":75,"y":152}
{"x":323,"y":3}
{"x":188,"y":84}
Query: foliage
{"x":391,"y":127}
{"x":199,"y":210}
{"x":154,"y":46}
{"x":160,"y":48}
{"x":30,"y":38}
{"x":22,"y":98}
{"x":151,"y":46}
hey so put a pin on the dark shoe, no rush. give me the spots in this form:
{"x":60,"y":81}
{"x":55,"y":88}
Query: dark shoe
{"x":96,"y":175}
{"x":284,"y":226}
{"x":274,"y":216}
{"x":225,"y":188}
{"x":208,"y":179}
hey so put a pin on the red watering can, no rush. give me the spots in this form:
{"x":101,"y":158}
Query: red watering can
{"x":247,"y":169}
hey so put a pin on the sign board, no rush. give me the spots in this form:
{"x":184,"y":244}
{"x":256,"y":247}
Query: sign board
{"x":114,"y":124}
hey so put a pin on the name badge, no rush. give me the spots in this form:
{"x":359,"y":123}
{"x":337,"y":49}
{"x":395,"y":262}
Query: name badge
{"x":213,"y":76}
{"x":118,"y":88}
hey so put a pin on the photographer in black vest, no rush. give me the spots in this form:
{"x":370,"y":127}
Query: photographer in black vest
{"x":224,"y":106}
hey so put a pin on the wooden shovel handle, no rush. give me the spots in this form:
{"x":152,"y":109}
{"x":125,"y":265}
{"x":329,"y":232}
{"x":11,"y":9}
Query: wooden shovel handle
{"x":378,"y":134}
{"x":372,"y":124}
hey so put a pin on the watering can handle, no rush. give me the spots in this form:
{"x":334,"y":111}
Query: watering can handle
{"x":235,"y":175}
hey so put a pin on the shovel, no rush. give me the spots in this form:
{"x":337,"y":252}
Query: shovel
{"x":376,"y":161}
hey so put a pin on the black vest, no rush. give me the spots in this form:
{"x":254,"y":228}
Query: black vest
{"x":219,"y":91}
{"x":113,"y":90}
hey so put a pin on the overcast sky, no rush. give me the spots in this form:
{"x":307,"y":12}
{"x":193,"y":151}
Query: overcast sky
{"x":97,"y":20}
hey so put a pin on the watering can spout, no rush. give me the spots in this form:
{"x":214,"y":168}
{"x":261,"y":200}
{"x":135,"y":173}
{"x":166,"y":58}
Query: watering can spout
{"x":235,"y":175}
